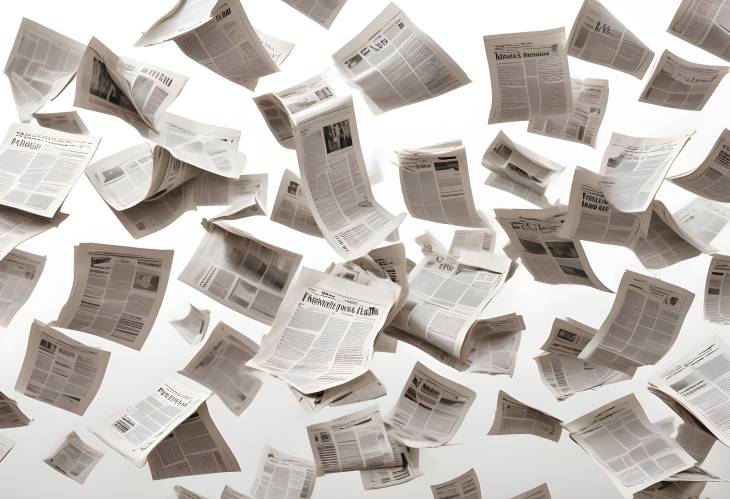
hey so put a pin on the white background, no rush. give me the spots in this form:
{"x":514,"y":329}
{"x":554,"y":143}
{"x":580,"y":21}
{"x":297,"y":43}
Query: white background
{"x":506,"y":465}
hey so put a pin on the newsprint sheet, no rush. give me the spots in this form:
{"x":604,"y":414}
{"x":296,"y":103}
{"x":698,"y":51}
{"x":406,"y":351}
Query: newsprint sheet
{"x":60,"y":371}
{"x":17,"y":226}
{"x":282,"y":475}
{"x":394,"y":63}
{"x":323,"y":12}
{"x":514,"y":417}
{"x":74,"y":458}
{"x":10,"y":414}
{"x":705,"y":24}
{"x":117,"y":292}
{"x":711,"y":179}
{"x":64,"y":121}
{"x":464,"y":486}
{"x":19,"y":274}
{"x":6,"y":445}
{"x":291,"y":207}
{"x":539,"y":492}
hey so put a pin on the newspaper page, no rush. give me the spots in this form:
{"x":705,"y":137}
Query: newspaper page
{"x":40,"y":166}
{"x":388,"y":477}
{"x":117,"y":292}
{"x":565,"y":376}
{"x":681,"y":84}
{"x":335,"y":181}
{"x":194,"y":447}
{"x":642,"y":326}
{"x":41,"y":64}
{"x":193,"y":326}
{"x":633,"y":168}
{"x":6,"y":445}
{"x":137,"y":92}
{"x":430,"y":409}
{"x":510,"y":186}
{"x":240,"y":271}
{"x":717,"y":290}
{"x":333,"y":322}
{"x":60,"y":371}
{"x":550,"y":258}
{"x":590,"y":99}
{"x":10,"y":414}
{"x":231,"y":493}
{"x":322,"y":12}
{"x":446,"y":296}
{"x":672,"y":490}
{"x":599,"y":37}
{"x":435,"y":184}
{"x":183,"y":493}
{"x":698,"y":381}
{"x":356,"y":441}
{"x":74,"y":458}
{"x":592,"y":218}
{"x":291,"y":207}
{"x":539,"y":492}
{"x":495,"y":344}
{"x":704,"y":24}
{"x":220,"y":366}
{"x":17,"y":226}
{"x":135,"y":430}
{"x":394,"y":63}
{"x":634,"y":452}
{"x":361,"y":389}
{"x":711,"y":179}
{"x":519,"y":164}
{"x":282,"y":475}
{"x":65,"y":121}
{"x":464,"y":486}
{"x":19,"y":274}
{"x":515,"y":417}
{"x":529,"y":75}
{"x":691,"y":434}
{"x":473,"y":240}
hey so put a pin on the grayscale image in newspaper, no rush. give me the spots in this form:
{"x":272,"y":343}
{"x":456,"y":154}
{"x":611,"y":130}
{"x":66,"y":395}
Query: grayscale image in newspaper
{"x":74,"y":458}
{"x":464,"y":486}
{"x":515,"y":417}
{"x":282,"y":475}
{"x":705,"y":24}
{"x":711,"y":179}
{"x":19,"y":274}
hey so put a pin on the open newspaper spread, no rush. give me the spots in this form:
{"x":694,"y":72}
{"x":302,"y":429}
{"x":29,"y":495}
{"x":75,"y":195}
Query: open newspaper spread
{"x":241,"y":272}
{"x":322,"y":12}
{"x":19,"y":274}
{"x":10,"y":414}
{"x":598,"y":37}
{"x":39,"y":166}
{"x":711,"y":179}
{"x":40,"y":65}
{"x":548,"y":256}
{"x":60,"y":371}
{"x":435,"y":184}
{"x":117,"y":292}
{"x":590,"y":99}
{"x":464,"y":486}
{"x":529,"y":75}
{"x":634,"y":452}
{"x":681,"y":84}
{"x":282,"y":475}
{"x":705,"y":24}
{"x":291,"y":207}
{"x":333,"y":322}
{"x":135,"y":430}
{"x":137,"y":92}
{"x":74,"y":458}
{"x":642,"y":326}
{"x":394,"y":63}
{"x":335,"y":180}
{"x":514,"y":417}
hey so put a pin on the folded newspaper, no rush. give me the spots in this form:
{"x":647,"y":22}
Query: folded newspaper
{"x":705,"y":24}
{"x":74,"y":458}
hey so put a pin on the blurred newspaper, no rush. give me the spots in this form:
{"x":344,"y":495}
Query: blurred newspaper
{"x":539,"y":492}
{"x":19,"y":274}
{"x":513,"y":417}
{"x":711,"y":179}
{"x":291,"y":207}
{"x":74,"y":458}
{"x":6,"y":445}
{"x":705,"y":24}
{"x":388,"y":477}
{"x":193,"y":326}
{"x":65,"y":121}
{"x":10,"y":414}
{"x":464,"y":486}
{"x":322,"y":12}
{"x":364,"y":388}
{"x":280,"y":475}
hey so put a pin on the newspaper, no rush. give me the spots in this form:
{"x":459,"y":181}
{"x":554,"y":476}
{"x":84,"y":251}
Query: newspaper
{"x":549,"y":257}
{"x":633,"y":168}
{"x":220,"y":366}
{"x":60,"y":371}
{"x":356,"y":441}
{"x":10,"y":414}
{"x":6,"y":445}
{"x":135,"y":430}
{"x":322,"y":12}
{"x":717,"y":290}
{"x":430,"y":409}
{"x":41,"y":64}
{"x":19,"y":274}
{"x":117,"y":292}
{"x":194,"y":447}
{"x":65,"y":121}
{"x":335,"y":181}
{"x":681,"y":84}
{"x":529,"y":75}
{"x":515,"y":417}
{"x":634,"y":452}
{"x":193,"y":326}
{"x":519,"y":164}
{"x":394,"y":63}
{"x":231,"y":493}
{"x":641,"y":327}
{"x":40,"y":166}
{"x":464,"y":486}
{"x":672,"y":490}
{"x":495,"y":343}
{"x":705,"y":24}
{"x":711,"y":179}
{"x":388,"y":477}
{"x":333,"y":322}
{"x":510,"y":186}
{"x":599,"y":37}
{"x":183,"y":493}
{"x":74,"y":458}
{"x":592,"y":218}
{"x":473,"y":240}
{"x":698,"y":381}
{"x":590,"y":99}
{"x":282,"y":475}
{"x":17,"y":226}
{"x":240,"y":271}
{"x":361,"y":389}
{"x":291,"y":207}
{"x":539,"y":492}
{"x":435,"y":184}
{"x":277,"y":108}
{"x":137,"y":92}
